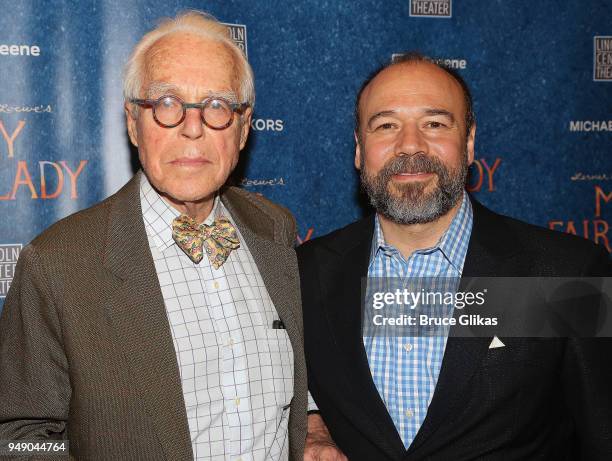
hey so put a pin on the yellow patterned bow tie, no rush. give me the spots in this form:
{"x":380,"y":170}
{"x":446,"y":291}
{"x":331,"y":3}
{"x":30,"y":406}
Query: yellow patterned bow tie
{"x":218,"y":239}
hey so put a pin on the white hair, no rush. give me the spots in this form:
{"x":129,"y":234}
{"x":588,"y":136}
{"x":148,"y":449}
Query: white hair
{"x":193,"y":22}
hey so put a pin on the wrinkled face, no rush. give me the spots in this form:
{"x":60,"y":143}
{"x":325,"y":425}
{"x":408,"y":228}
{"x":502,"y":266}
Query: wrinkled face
{"x":190,"y":162}
{"x":413,"y":150}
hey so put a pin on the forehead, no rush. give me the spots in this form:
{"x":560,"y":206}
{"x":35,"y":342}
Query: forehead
{"x":410,"y":87}
{"x":190,"y":61}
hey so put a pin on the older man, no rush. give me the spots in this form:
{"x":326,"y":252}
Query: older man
{"x":164,"y":323}
{"x":431,"y":397}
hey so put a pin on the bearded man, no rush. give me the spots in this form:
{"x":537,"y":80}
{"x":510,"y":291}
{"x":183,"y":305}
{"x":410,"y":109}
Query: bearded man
{"x":440,"y":397}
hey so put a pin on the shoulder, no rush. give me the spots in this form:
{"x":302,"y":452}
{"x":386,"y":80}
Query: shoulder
{"x":264,"y":205}
{"x":251,"y":204}
{"x":556,"y":253}
{"x":82,"y":229}
{"x":68,"y":250}
{"x":87,"y":230}
{"x":340,"y":240}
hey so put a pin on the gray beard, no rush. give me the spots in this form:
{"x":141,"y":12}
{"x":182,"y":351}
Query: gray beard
{"x":409,"y":204}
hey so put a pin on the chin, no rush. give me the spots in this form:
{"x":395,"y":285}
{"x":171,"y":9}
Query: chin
{"x":187,"y":189}
{"x":191,"y":196}
{"x":185,"y":193}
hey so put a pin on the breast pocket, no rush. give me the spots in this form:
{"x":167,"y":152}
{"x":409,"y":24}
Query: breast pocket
{"x":538,"y":352}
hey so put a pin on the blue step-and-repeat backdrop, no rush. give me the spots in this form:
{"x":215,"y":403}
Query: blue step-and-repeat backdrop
{"x":541,"y":75}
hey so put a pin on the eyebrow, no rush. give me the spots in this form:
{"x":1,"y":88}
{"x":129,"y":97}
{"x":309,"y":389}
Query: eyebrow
{"x":156,"y":88}
{"x":384,"y":113}
{"x":428,"y":111}
{"x":225,"y":94}
{"x":443,"y":112}
{"x":161,"y":88}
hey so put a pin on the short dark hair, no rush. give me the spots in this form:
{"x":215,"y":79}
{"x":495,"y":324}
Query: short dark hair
{"x":413,"y":57}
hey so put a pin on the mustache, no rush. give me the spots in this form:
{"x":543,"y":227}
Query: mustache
{"x":411,"y":164}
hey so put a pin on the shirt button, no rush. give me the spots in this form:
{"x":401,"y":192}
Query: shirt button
{"x":237,"y":401}
{"x":408,"y":347}
{"x":409,"y":413}
{"x":231,"y":342}
{"x":216,"y":285}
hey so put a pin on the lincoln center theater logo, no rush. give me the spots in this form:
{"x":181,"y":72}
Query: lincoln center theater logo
{"x":238,"y":33}
{"x":602,"y":66}
{"x":431,"y":8}
{"x":8,"y":259}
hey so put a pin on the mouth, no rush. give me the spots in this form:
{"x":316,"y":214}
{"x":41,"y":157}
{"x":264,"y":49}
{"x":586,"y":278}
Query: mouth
{"x":418,"y":176}
{"x":188,"y":162}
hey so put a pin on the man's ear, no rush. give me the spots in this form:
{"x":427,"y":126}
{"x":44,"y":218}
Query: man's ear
{"x":470,"y":144}
{"x":246,"y":126}
{"x":357,"y":151}
{"x":130,"y":119}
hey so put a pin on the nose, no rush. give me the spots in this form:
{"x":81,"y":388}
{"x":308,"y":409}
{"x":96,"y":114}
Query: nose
{"x":410,"y":140}
{"x":192,"y":127}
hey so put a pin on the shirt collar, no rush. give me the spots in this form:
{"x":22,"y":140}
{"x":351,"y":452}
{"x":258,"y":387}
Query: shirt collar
{"x":159,"y":214}
{"x":453,"y":243}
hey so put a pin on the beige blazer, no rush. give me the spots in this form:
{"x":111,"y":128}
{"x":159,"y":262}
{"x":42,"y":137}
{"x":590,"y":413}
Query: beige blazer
{"x":86,"y":352}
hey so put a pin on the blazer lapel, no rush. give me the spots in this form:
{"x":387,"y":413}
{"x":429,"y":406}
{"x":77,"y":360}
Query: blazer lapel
{"x":341,"y":277}
{"x":137,"y":311}
{"x":488,"y":254}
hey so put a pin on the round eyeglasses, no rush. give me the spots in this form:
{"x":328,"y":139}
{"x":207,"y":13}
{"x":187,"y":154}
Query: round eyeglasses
{"x":169,"y":111}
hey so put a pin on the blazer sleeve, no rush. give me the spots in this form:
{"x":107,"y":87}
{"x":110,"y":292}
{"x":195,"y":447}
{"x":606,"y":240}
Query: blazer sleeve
{"x":310,"y":310}
{"x":34,"y":375}
{"x":587,"y":382}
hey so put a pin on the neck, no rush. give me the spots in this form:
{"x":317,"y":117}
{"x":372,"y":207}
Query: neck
{"x":408,"y":238}
{"x":198,"y":210}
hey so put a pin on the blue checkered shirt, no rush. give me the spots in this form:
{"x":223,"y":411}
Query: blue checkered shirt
{"x":405,"y":370}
